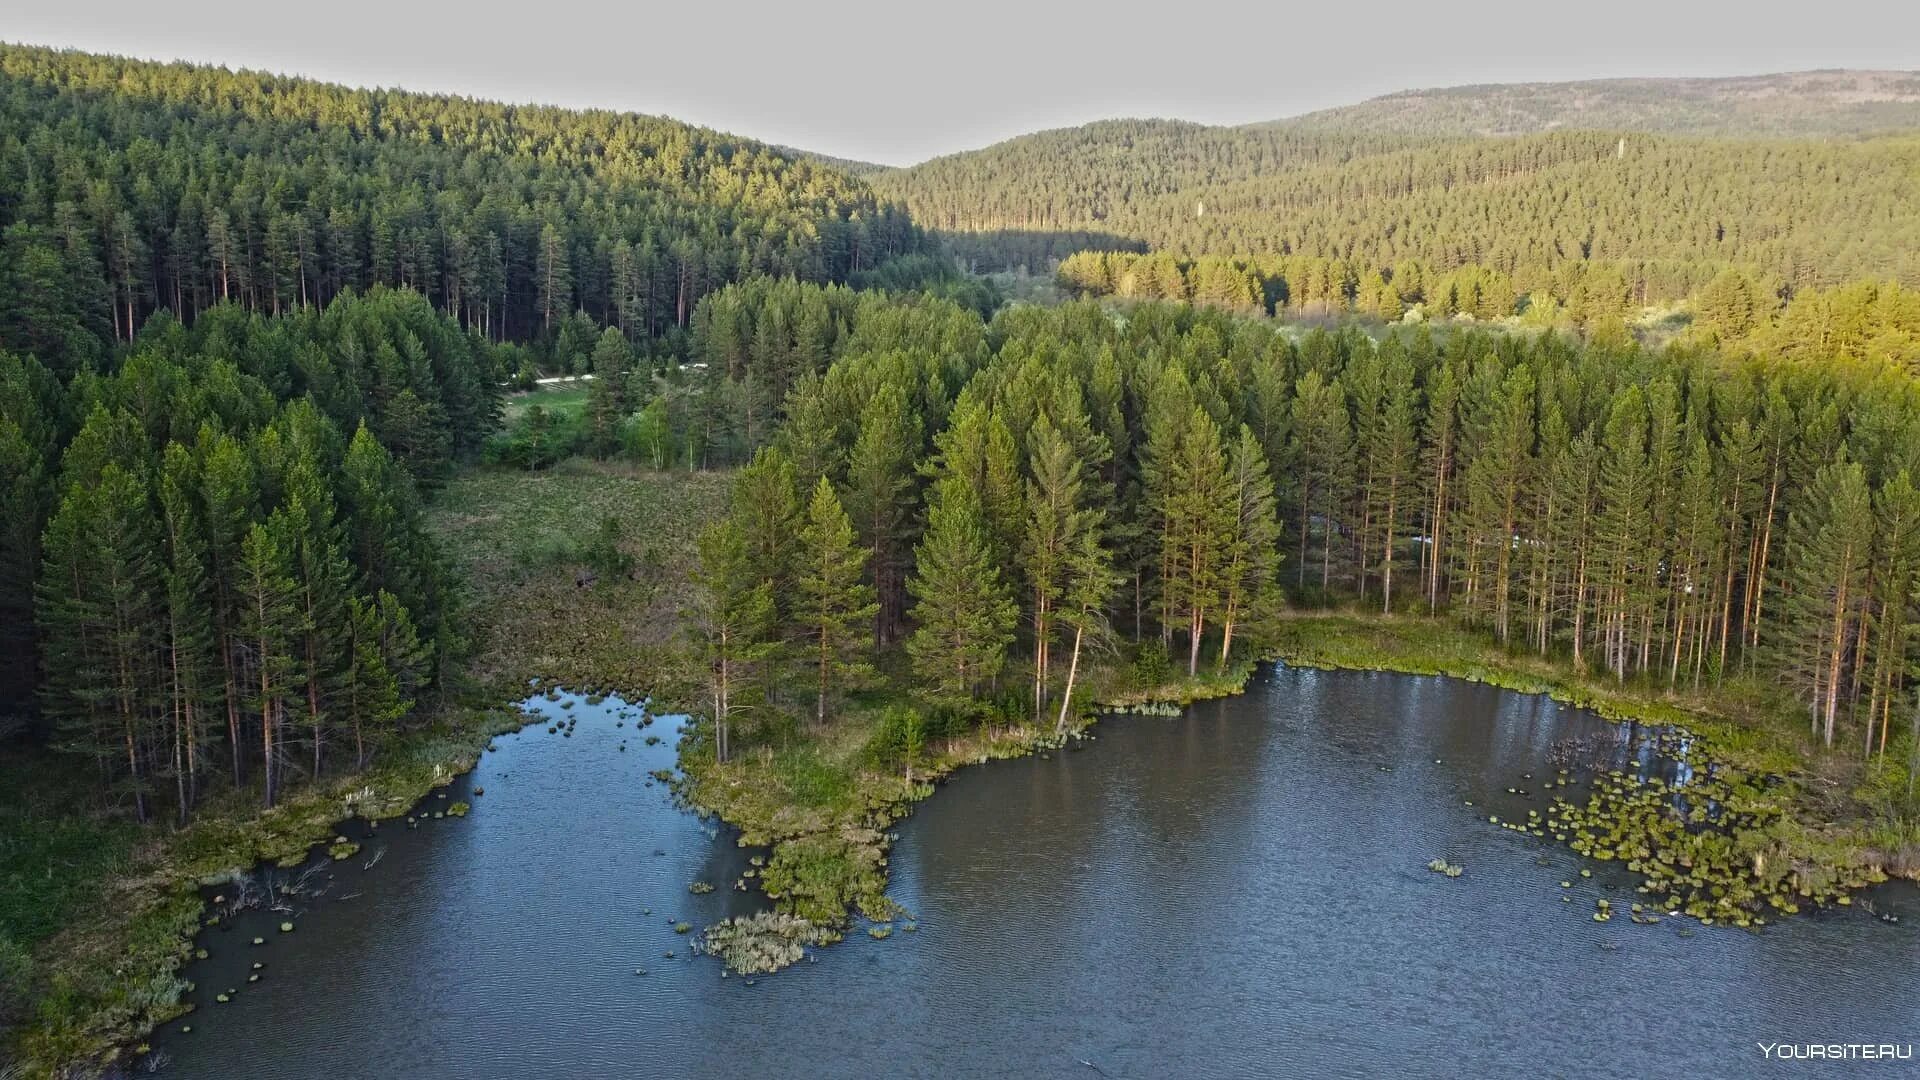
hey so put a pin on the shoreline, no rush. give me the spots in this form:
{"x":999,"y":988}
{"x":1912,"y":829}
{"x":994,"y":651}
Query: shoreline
{"x":856,"y":849}
{"x":822,"y":866}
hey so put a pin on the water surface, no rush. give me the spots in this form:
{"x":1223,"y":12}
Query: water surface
{"x":1240,"y":891}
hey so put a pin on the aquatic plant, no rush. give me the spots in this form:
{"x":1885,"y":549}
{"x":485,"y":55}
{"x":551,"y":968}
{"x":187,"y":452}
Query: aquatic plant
{"x":764,"y":942}
{"x":1708,"y":845}
{"x":700,"y":888}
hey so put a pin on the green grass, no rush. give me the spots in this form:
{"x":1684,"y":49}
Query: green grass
{"x":57,"y":840}
{"x":568,"y":398}
{"x":519,"y":539}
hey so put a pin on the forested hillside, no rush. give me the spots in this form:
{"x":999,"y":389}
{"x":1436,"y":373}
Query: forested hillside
{"x":127,"y":187}
{"x":1667,"y":213}
{"x":1795,"y":104}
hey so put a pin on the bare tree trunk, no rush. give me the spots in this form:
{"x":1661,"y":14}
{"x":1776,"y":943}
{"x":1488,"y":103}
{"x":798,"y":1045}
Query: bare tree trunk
{"x":1073,"y":669}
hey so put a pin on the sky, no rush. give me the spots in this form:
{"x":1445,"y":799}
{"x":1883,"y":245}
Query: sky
{"x":899,"y":82}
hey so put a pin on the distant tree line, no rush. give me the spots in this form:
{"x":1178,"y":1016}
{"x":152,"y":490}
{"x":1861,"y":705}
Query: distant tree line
{"x":1861,"y":320}
{"x":1665,"y":213}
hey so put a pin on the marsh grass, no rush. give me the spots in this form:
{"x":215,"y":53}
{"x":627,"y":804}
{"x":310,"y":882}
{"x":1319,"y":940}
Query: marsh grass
{"x":523,"y":541}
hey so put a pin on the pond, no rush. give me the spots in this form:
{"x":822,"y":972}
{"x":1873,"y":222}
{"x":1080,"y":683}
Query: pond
{"x":1241,"y":890}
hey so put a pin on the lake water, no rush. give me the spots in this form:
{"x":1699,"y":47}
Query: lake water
{"x":1239,"y":891}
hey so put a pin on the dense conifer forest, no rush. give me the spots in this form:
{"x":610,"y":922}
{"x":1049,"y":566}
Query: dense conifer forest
{"x":231,"y":573}
{"x":253,"y":327}
{"x":175,"y":186}
{"x":1663,"y":213}
{"x":1173,"y":475}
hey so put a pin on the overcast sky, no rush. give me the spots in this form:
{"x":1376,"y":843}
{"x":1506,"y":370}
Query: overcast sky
{"x":902,"y":81}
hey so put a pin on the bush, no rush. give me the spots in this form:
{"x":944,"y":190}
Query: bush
{"x":1152,"y":667}
{"x":603,"y":553}
{"x":647,"y":436}
{"x":537,"y":440}
{"x":899,"y":739}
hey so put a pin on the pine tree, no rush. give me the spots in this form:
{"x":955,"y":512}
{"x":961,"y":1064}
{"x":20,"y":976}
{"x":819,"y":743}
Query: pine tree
{"x":832,"y":606}
{"x":1625,"y":499}
{"x":1496,"y":480}
{"x":383,"y":667}
{"x":1829,"y":553}
{"x":553,"y":273}
{"x":191,"y":667}
{"x":100,"y":600}
{"x":1057,"y":519}
{"x":607,"y":404}
{"x":30,"y":403}
{"x":322,"y":580}
{"x":767,"y":516}
{"x":1248,"y":589}
{"x":978,"y":448}
{"x":1323,"y":450}
{"x":879,"y":496}
{"x":733,"y":622}
{"x":1199,"y":520}
{"x":268,"y":608}
{"x":1091,"y":582}
{"x":963,"y":615}
{"x":1896,"y":582}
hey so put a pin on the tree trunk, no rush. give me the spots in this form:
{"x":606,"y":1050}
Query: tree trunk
{"x":1073,"y":669}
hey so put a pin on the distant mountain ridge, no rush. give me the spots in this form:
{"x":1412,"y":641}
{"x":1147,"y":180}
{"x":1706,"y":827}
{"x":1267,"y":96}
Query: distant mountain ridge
{"x":1806,"y":179}
{"x":1789,"y":104}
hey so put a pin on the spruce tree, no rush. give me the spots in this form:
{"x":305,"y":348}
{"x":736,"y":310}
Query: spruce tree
{"x":1825,"y":574}
{"x":963,"y":615}
{"x":732,"y":621}
{"x":607,"y":394}
{"x":268,"y":610}
{"x":832,"y":606}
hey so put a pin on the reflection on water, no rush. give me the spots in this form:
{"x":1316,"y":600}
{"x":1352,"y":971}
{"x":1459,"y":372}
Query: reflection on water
{"x":1239,"y":891}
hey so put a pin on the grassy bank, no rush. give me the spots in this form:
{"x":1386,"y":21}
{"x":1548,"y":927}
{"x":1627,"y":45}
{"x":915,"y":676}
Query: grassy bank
{"x":823,"y":799}
{"x":104,"y":910}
